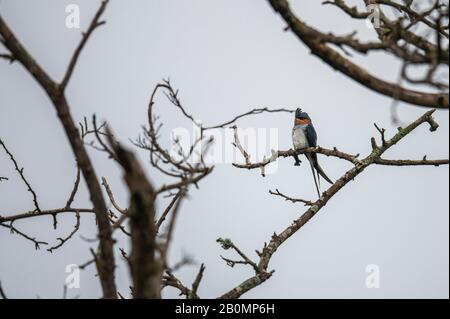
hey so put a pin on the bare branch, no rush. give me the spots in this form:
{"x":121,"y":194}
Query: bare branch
{"x":146,"y":268}
{"x":382,"y":132}
{"x":111,"y":197}
{"x":277,"y":240}
{"x":316,"y":41}
{"x":171,"y":226}
{"x":198,"y":280}
{"x":423,"y":162}
{"x":228,"y":244}
{"x":290,"y":199}
{"x":238,"y":145}
{"x":8,"y":57}
{"x":74,"y":190}
{"x":170,"y":280}
{"x":64,"y":240}
{"x":167,"y":210}
{"x":255,"y":111}
{"x":37,"y":243}
{"x":56,"y":94}
{"x":50,"y":212}
{"x":95,"y":23}
{"x":22,"y":176}
{"x":291,"y":153}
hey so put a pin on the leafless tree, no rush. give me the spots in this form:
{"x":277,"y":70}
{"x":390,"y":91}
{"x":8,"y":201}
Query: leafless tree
{"x":151,"y":231}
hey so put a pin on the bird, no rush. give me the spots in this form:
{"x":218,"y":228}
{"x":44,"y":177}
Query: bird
{"x":304,"y":135}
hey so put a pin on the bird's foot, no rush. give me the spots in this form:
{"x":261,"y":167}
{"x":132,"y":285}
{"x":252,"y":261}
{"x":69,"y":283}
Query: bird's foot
{"x":297,"y":163}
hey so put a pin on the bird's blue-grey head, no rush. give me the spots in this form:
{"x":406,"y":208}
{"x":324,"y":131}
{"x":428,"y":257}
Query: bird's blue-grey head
{"x":300,"y":115}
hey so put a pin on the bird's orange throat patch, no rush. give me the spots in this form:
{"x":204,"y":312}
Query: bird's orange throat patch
{"x":302,"y":121}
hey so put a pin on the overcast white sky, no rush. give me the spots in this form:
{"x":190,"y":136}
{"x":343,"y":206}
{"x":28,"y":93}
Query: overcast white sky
{"x":226,"y":57}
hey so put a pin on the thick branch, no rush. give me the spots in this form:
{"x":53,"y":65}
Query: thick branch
{"x":422,"y":162}
{"x":312,"y":38}
{"x":146,"y":268}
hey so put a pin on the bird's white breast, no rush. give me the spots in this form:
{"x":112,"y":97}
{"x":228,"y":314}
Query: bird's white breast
{"x":299,"y":138}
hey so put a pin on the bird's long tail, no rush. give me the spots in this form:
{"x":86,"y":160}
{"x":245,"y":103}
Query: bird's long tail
{"x":317,"y":168}
{"x":315,"y":179}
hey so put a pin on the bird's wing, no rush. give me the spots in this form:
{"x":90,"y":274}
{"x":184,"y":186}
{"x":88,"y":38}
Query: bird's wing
{"x":311,"y":135}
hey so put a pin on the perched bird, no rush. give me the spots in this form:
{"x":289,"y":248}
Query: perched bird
{"x":303,"y":136}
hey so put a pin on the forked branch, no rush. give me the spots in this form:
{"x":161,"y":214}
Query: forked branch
{"x":277,"y":240}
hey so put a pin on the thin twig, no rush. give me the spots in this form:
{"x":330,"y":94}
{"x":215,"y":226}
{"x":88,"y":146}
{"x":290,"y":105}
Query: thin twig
{"x":74,"y":189}
{"x":95,"y":23}
{"x":111,"y":197}
{"x":37,"y":243}
{"x":22,"y":176}
{"x":167,"y":210}
{"x":290,"y":199}
{"x":64,"y":240}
